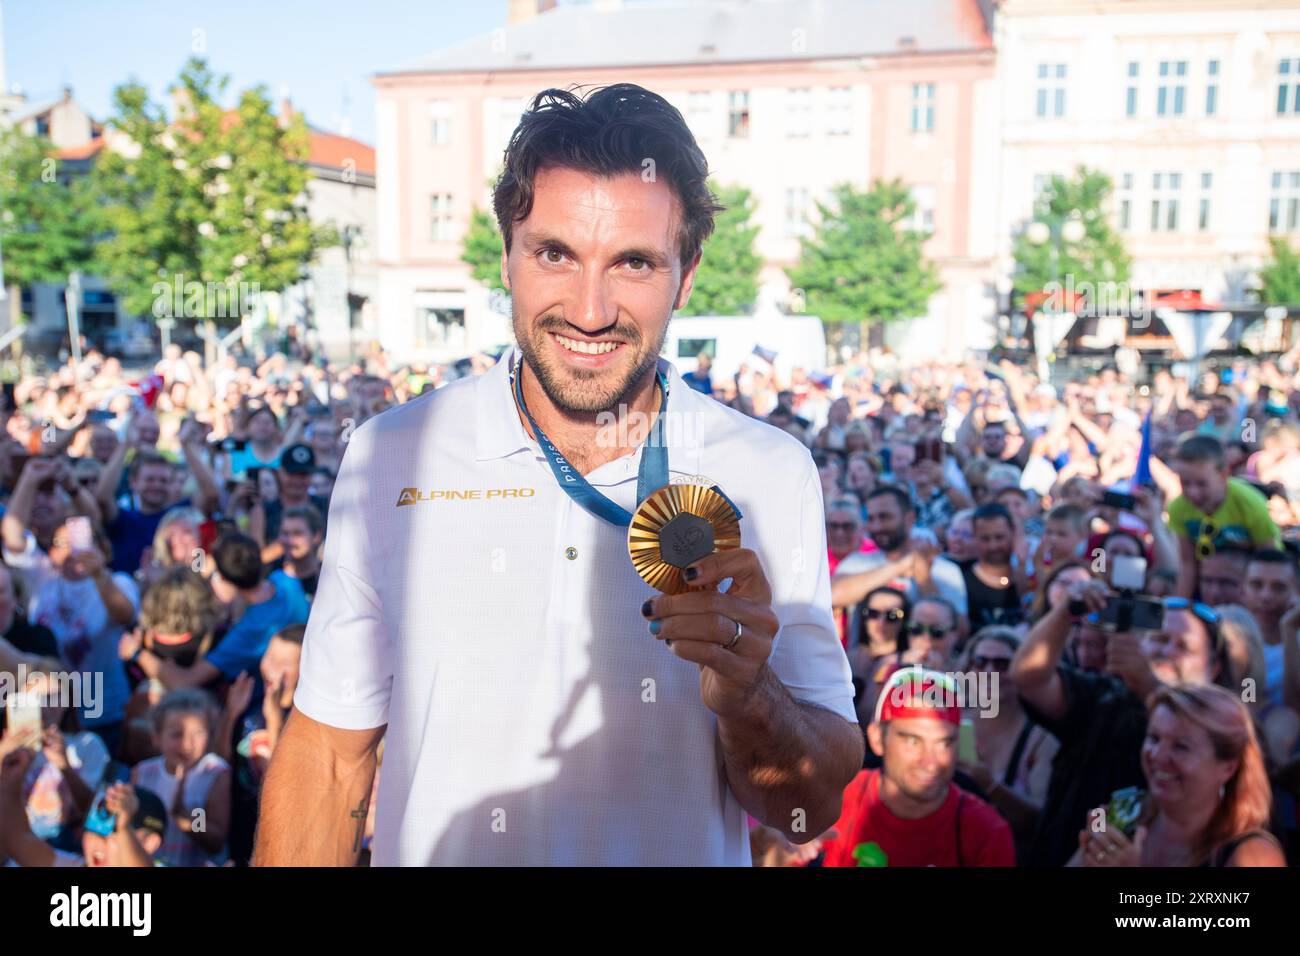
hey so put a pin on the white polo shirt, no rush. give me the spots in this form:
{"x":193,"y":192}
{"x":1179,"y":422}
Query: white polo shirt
{"x":494,"y":626}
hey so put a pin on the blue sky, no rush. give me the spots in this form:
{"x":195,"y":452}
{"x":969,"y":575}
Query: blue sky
{"x":321,"y":51}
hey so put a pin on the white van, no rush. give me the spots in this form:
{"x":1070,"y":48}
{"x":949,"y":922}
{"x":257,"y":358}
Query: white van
{"x":797,"y":340}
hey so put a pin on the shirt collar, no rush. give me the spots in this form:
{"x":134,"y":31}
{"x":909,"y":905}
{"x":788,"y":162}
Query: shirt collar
{"x":500,"y":433}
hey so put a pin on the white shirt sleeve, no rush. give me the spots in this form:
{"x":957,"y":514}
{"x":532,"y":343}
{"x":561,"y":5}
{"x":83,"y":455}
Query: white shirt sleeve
{"x":948,"y":579}
{"x":346,"y":674}
{"x":807,"y":655}
{"x":33,"y":563}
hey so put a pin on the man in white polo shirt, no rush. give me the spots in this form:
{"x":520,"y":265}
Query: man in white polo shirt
{"x":543,"y":705}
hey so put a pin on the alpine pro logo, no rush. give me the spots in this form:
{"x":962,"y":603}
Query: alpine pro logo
{"x":414,"y":496}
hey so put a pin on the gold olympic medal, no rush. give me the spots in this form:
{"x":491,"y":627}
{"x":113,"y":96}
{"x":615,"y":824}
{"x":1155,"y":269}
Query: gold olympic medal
{"x":675,"y":527}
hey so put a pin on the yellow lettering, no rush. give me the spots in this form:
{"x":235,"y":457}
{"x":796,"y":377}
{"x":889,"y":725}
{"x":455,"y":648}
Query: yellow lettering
{"x":408,"y":496}
{"x":474,"y":494}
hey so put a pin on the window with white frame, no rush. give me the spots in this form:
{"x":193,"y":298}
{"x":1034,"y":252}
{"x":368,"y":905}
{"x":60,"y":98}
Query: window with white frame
{"x":738,"y":114}
{"x":796,"y":211}
{"x":1049,"y":91}
{"x":922,"y":107}
{"x":440,"y":222}
{"x":1171,"y":93}
{"x":1126,"y":202}
{"x":1284,"y":202}
{"x":1203,"y":208}
{"x":1040,"y":184}
{"x":1131,"y":92}
{"x":798,"y":113}
{"x":440,"y":122}
{"x":1165,"y":189}
{"x":1288,"y":87}
{"x":839,"y":111}
{"x":1212,"y":88}
{"x":922,"y":218}
{"x":699,"y":113}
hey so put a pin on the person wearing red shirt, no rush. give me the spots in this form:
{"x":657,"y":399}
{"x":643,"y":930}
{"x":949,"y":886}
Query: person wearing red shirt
{"x":909,"y":812}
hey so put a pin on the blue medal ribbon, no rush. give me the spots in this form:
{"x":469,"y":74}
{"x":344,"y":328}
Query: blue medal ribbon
{"x":651,"y":476}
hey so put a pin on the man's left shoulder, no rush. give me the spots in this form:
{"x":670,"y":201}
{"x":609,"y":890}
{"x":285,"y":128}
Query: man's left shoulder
{"x":750,"y":441}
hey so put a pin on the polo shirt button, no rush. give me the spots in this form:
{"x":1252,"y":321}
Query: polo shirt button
{"x":571,"y":553}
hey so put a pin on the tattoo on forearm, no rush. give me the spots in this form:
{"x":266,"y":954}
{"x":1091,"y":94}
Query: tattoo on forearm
{"x":360,"y":814}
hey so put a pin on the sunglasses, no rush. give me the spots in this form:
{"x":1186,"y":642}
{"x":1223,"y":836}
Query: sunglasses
{"x":1205,"y":540}
{"x":933,"y":630}
{"x":1206,"y":613}
{"x":893,"y":615}
{"x":840,"y":526}
{"x":1000,"y":664}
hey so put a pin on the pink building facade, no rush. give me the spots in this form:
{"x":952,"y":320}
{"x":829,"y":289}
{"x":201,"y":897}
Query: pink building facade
{"x":786,"y":97}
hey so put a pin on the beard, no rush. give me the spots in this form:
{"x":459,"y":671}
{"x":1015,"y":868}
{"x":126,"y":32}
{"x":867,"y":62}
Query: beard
{"x":586,"y":391}
{"x":888,"y":540}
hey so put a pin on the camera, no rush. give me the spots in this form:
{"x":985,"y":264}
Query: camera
{"x":1129,"y":610}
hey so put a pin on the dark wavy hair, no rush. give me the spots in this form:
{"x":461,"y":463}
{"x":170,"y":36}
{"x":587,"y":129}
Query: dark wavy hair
{"x":613,"y":131}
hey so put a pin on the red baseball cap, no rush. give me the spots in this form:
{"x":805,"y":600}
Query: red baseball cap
{"x":911,"y":692}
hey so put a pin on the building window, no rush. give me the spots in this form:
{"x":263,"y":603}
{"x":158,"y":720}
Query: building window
{"x":796,"y":212}
{"x":1049,"y":93}
{"x":1131,"y":94}
{"x":922,"y":107}
{"x":738,"y":114}
{"x":699,"y":113}
{"x":1288,"y":87}
{"x":440,"y":217}
{"x":839,"y":111}
{"x":440,"y":122}
{"x":1284,"y":202}
{"x":1164,"y":201}
{"x":1041,"y":182}
{"x":798,"y":113}
{"x":1172,"y":91}
{"x":1126,"y":202}
{"x":1212,"y":88}
{"x":1203,"y":213}
{"x":922,"y":218}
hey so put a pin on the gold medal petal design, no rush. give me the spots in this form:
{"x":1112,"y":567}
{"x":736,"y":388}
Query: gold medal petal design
{"x":661,"y":507}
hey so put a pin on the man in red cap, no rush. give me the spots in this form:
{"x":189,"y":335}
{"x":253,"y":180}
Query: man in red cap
{"x":909,"y":812}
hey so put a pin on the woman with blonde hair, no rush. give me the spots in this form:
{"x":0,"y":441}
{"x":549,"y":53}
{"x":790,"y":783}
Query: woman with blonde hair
{"x":175,"y":545}
{"x":1208,"y":799}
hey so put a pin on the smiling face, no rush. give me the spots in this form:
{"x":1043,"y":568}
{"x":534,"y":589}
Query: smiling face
{"x":919,"y":754}
{"x":1179,"y":761}
{"x":595,"y":273}
{"x":1182,"y":650}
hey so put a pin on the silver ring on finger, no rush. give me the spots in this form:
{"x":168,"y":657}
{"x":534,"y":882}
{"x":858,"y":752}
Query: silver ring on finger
{"x":734,"y":638}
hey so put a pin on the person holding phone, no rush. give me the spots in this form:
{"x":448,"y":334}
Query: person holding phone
{"x":1013,"y":755}
{"x":138,"y":822}
{"x":1100,"y":718}
{"x":1208,"y":796}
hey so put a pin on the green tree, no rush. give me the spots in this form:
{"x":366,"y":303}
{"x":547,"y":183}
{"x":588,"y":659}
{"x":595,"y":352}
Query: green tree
{"x":1280,"y":279}
{"x":208,"y":196}
{"x":726,"y":282}
{"x":863,"y":263}
{"x":481,"y":249}
{"x":44,"y":227}
{"x":1099,"y":257}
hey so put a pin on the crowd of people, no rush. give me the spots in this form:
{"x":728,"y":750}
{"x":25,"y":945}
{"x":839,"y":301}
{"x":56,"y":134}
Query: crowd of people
{"x":1114,"y":558}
